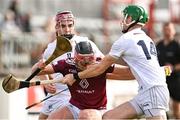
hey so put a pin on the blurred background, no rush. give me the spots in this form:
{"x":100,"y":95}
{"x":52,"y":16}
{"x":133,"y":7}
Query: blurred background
{"x":26,"y":27}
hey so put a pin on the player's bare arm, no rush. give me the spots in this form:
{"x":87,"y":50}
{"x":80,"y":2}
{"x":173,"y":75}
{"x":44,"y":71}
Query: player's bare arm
{"x":124,"y":73}
{"x":45,"y":69}
{"x":120,"y":73}
{"x":97,"y":69}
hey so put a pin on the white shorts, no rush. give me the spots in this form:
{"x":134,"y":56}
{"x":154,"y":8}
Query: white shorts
{"x":153,"y":102}
{"x":53,"y":104}
{"x":74,"y":110}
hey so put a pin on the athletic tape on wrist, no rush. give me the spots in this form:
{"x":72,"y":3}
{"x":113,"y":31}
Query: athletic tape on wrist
{"x":76,"y":77}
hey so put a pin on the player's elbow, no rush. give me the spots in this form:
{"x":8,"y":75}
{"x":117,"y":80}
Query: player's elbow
{"x":99,"y":69}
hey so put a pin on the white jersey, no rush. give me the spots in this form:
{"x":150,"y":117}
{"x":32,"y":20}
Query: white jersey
{"x":139,"y":52}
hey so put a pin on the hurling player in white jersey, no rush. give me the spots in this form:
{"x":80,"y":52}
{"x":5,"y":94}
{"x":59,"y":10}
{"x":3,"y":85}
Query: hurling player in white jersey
{"x":138,"y":51}
{"x":65,"y":27}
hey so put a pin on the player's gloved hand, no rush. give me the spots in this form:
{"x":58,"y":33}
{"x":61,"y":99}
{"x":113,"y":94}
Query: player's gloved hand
{"x":167,"y":70}
{"x":50,"y":88}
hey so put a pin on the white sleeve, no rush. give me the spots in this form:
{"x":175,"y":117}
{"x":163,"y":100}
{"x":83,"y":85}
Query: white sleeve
{"x":49,"y":50}
{"x":117,"y":48}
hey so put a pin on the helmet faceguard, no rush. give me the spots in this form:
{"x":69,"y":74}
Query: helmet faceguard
{"x":138,"y":15}
{"x":84,"y":54}
{"x":64,"y":17}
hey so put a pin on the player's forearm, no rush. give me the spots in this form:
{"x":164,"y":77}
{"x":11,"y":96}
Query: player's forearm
{"x":92,"y":71}
{"x":47,"y":70}
{"x":97,"y":69}
{"x":120,"y":73}
{"x":123,"y":77}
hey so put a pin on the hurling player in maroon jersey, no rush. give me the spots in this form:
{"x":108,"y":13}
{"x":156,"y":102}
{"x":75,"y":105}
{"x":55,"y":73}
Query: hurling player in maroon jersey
{"x":88,"y":97}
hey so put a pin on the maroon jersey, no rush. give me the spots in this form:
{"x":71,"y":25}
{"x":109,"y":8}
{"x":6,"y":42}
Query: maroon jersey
{"x":89,"y":93}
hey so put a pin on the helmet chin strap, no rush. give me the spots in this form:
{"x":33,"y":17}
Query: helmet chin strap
{"x":131,"y":25}
{"x":68,"y":36}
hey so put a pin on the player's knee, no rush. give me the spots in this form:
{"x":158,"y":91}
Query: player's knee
{"x":42,"y":116}
{"x":106,"y":115}
{"x":177,"y":114}
{"x":90,"y":114}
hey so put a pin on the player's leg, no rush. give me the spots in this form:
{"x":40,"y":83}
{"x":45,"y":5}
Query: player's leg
{"x":51,"y":105}
{"x":174,"y":88}
{"x":156,"y":102}
{"x":61,"y":113}
{"x":67,"y":112}
{"x":90,"y":114}
{"x":155,"y":114}
{"x":176,"y":109}
{"x":123,"y":111}
{"x":45,"y":110}
{"x":42,"y":116}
